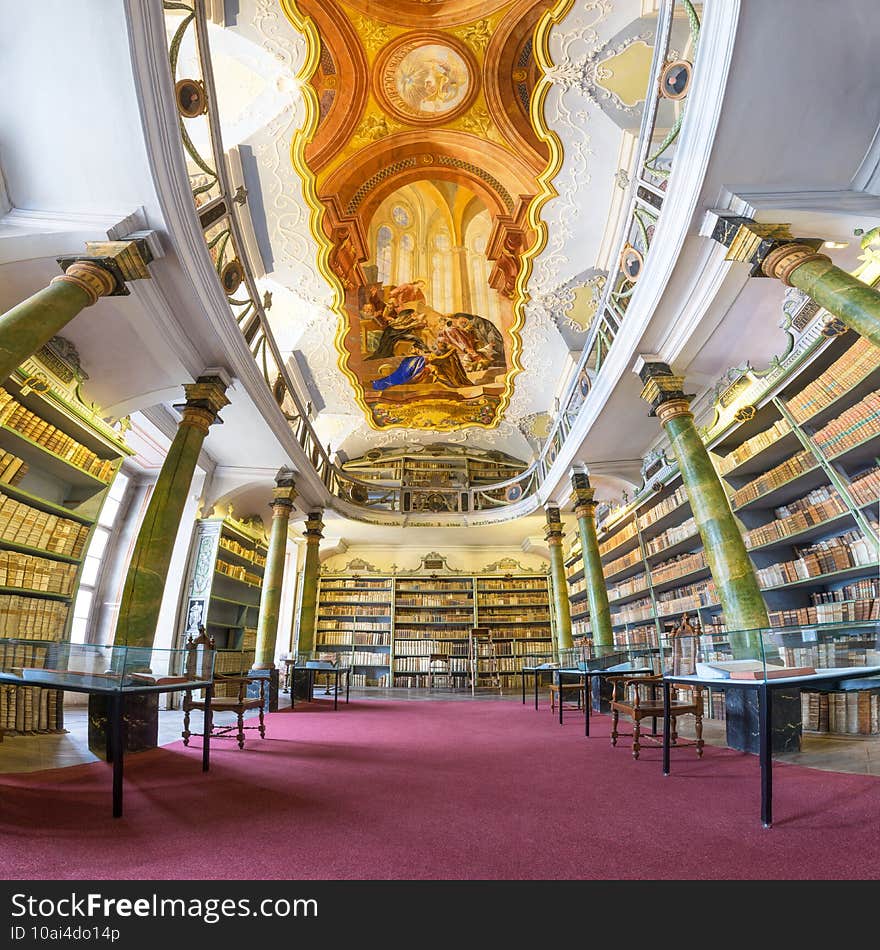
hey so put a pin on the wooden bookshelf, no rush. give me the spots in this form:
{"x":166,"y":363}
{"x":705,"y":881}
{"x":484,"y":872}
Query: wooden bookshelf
{"x":57,"y":460}
{"x":798,"y":449}
{"x":411,"y":614}
{"x":354,"y":622}
{"x":223,"y":588}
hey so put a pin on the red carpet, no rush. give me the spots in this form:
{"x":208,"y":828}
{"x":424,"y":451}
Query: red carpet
{"x":463,"y":790}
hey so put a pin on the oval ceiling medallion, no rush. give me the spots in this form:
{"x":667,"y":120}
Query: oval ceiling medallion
{"x":423,"y":78}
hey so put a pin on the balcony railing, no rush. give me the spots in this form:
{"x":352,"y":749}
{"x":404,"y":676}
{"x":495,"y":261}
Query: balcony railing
{"x":216,"y":203}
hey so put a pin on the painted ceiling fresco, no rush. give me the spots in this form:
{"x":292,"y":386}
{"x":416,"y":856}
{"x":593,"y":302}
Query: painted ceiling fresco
{"x":427,"y":162}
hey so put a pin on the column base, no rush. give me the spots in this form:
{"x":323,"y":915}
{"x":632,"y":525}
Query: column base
{"x":272,"y":687}
{"x":140,"y":724}
{"x":741,"y":710}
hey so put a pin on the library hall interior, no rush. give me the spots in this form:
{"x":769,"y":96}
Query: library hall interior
{"x":440,"y":440}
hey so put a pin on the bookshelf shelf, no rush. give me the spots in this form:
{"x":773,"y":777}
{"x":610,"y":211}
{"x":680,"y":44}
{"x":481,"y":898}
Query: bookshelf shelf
{"x":673,"y":582}
{"x":31,"y":592}
{"x":818,"y":530}
{"x":868,"y":450}
{"x":39,"y":552}
{"x":767,"y":457}
{"x":822,"y":580}
{"x":789,"y":490}
{"x":43,"y":504}
{"x":690,"y":543}
{"x":47,"y":518}
{"x":227,"y":604}
{"x":41,"y":457}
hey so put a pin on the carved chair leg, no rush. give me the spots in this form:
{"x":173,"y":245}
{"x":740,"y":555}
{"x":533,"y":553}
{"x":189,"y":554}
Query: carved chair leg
{"x":186,"y":732}
{"x":698,"y":729}
{"x":241,"y":728}
{"x":262,"y":724}
{"x":614,"y":718}
{"x":637,"y":731}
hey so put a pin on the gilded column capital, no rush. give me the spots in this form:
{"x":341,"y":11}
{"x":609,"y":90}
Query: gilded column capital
{"x":582,"y":495}
{"x":662,"y":388}
{"x":786,"y":258}
{"x":91,"y":277}
{"x":106,"y":267}
{"x":554,"y":531}
{"x":204,"y":400}
{"x":769,"y":248}
{"x":284,"y":493}
{"x":314,"y":527}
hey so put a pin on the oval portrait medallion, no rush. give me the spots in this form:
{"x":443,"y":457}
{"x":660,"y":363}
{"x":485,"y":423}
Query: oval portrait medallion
{"x":425,"y":77}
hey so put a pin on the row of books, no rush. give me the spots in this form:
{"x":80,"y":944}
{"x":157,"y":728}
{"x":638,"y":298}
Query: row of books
{"x":865,"y":489}
{"x":366,"y":658}
{"x":537,"y":630}
{"x":457,"y":617}
{"x":863,"y":589}
{"x":631,"y":585}
{"x":688,"y":597}
{"x":842,"y":652}
{"x":351,"y":625}
{"x":22,"y":524}
{"x":12,"y":469}
{"x":636,"y":637}
{"x":32,"y":618}
{"x":355,"y":610}
{"x":36,"y":573}
{"x":847,"y":370}
{"x":850,"y":549}
{"x":637,"y":610}
{"x":531,"y":583}
{"x":621,"y":563}
{"x":513,"y":600}
{"x":670,"y":503}
{"x":406,"y":585}
{"x":851,"y":427}
{"x":356,"y":597}
{"x":678,"y":532}
{"x":619,"y":537}
{"x":15,"y":416}
{"x":234,"y":661}
{"x":850,"y":713}
{"x":581,"y":627}
{"x":678,"y":567}
{"x":426,"y":647}
{"x":577,"y":586}
{"x":427,"y":600}
{"x":362,"y":680}
{"x":354,"y":583}
{"x":538,"y":614}
{"x":834,"y":612}
{"x":345,"y":638}
{"x":754,"y":445}
{"x":456,"y":632}
{"x":249,"y":554}
{"x":25,"y":710}
{"x":778,"y":475}
{"x":818,"y":506}
{"x":238,"y":572}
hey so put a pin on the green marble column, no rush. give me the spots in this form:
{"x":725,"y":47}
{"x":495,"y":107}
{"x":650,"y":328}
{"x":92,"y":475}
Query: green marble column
{"x":33,"y":322}
{"x":852,"y":302}
{"x":147,"y":573}
{"x":309,"y":600}
{"x":772,"y":252}
{"x":594,"y":577}
{"x":725,"y":550}
{"x":561,"y":606}
{"x":283,"y":496}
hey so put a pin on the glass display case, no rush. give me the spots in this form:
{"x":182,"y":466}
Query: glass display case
{"x":795,"y":654}
{"x":93,"y":668}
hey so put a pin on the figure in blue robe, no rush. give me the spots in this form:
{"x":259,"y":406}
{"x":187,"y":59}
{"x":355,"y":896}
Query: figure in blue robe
{"x":410,"y":368}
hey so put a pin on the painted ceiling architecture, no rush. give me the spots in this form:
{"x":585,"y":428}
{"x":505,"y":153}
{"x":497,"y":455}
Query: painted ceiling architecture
{"x":434,"y":188}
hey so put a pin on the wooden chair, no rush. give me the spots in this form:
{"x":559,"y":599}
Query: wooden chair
{"x":239,"y":702}
{"x":439,"y":665}
{"x":559,"y":689}
{"x":641,"y":697}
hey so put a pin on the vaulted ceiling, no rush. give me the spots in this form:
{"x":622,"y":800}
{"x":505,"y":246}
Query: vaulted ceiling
{"x":433,"y":187}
